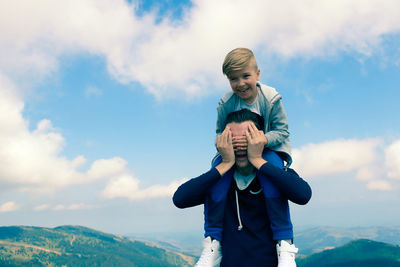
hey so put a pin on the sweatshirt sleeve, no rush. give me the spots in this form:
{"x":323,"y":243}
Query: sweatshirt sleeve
{"x":288,"y":182}
{"x":194,"y":191}
{"x":278,"y":125}
{"x":225,"y":106}
{"x":221,"y":116}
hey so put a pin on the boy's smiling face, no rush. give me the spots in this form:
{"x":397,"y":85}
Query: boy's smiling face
{"x":244,"y":83}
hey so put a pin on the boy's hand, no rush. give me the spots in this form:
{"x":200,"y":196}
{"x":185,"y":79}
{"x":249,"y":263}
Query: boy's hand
{"x":239,"y":143}
{"x":256,"y":142}
{"x":225,"y":148}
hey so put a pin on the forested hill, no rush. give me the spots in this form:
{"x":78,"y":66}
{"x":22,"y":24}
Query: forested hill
{"x":80,"y":246}
{"x":363,"y":253}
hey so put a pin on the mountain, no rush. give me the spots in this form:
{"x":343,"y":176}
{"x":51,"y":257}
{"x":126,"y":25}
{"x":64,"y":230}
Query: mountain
{"x":309,"y":240}
{"x":189,"y":243}
{"x":80,"y":246}
{"x":363,"y":252}
{"x":315,"y":239}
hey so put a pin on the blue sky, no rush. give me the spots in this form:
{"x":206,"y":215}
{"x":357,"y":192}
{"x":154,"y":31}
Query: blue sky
{"x":107,"y":106}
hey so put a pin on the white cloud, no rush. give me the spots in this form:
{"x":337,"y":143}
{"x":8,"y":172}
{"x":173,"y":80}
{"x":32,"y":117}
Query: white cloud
{"x":60,"y":207}
{"x":77,"y":206}
{"x":106,"y":168}
{"x":9,"y":206}
{"x":335,"y":156}
{"x":35,"y":34}
{"x":363,"y":157}
{"x":33,"y":159}
{"x":379,"y":185}
{"x":93,"y":91}
{"x":392,"y":156}
{"x":41,"y":207}
{"x":370,"y":172}
{"x":171,"y":57}
{"x":127,"y":186}
{"x":189,"y":55}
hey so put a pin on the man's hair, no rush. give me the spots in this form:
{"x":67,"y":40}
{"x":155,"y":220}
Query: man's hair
{"x":238,"y":59}
{"x":245,"y":115}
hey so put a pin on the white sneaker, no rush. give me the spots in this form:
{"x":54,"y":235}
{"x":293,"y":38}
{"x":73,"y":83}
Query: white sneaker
{"x":211,"y":255}
{"x":286,"y":254}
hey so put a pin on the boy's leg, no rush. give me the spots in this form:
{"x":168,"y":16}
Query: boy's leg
{"x":277,"y":207}
{"x":214,"y":208}
{"x":279,"y":215}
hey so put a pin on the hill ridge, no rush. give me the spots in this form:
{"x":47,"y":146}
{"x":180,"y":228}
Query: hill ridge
{"x":361,"y":252}
{"x":80,"y":246}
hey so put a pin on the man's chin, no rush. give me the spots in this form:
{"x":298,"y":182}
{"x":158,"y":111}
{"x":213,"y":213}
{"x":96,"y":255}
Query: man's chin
{"x":242,"y":163}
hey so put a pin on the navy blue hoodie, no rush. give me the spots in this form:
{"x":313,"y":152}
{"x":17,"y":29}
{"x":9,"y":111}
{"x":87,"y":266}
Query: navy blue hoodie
{"x":253,"y":244}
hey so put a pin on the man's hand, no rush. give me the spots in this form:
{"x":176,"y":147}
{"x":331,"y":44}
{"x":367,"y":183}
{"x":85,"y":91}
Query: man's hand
{"x":225,"y":148}
{"x":256,"y":141}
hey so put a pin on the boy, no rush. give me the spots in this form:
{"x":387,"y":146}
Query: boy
{"x":241,"y":69}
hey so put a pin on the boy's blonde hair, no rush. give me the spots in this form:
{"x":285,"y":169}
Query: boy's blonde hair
{"x":238,"y":59}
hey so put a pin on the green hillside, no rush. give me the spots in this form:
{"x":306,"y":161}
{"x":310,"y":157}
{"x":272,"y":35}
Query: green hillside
{"x":79,"y":246}
{"x":361,"y":252}
{"x":311,"y":240}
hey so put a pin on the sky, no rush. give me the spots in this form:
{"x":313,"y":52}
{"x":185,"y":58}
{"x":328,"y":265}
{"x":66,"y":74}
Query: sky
{"x":106,"y":107}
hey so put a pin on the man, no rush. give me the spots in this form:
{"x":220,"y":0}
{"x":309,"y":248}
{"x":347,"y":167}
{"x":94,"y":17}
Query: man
{"x":247,"y":236}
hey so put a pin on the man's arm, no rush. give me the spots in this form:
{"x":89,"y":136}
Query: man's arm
{"x":289,"y":183}
{"x":194,"y":191}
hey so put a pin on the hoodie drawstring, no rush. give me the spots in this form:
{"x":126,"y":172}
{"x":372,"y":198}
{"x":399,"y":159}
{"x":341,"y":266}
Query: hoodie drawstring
{"x":240,"y":227}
